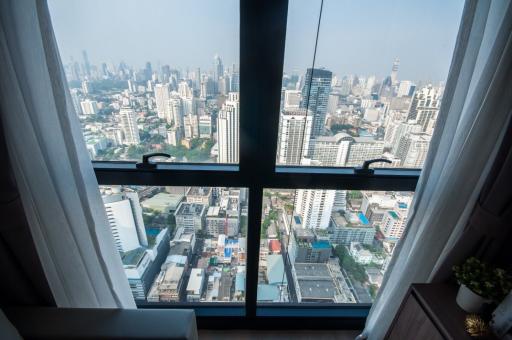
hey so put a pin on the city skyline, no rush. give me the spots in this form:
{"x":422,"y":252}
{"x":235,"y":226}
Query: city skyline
{"x":402,"y":29}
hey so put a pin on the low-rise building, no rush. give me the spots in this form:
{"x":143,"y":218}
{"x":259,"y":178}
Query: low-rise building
{"x":195,"y":285}
{"x":190,"y":216}
{"x":345,"y":231}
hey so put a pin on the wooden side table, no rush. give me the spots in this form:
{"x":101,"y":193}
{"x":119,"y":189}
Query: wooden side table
{"x":429,"y":311}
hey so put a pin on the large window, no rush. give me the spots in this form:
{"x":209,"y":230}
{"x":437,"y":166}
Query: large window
{"x":364,"y":79}
{"x":153,"y":76}
{"x":280,"y":221}
{"x":180,"y":244}
{"x":328,"y":246}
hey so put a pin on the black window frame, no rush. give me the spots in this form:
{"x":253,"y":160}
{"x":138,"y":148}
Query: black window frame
{"x":262,"y":46}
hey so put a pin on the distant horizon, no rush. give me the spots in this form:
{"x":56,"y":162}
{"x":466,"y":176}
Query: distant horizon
{"x":187,"y":35}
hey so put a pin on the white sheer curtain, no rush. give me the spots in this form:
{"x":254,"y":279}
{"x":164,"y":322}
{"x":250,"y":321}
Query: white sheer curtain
{"x":52,"y":167}
{"x":476,"y":107}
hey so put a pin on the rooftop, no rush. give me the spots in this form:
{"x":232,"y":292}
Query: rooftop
{"x":189,"y":209}
{"x":322,"y":289}
{"x":268,"y":293}
{"x":275,"y":270}
{"x":315,"y":270}
{"x":162,"y":202}
{"x":199,"y":191}
{"x":133,"y":257}
{"x":274,"y":245}
{"x":195,"y":282}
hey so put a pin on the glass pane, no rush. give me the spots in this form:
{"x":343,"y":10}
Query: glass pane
{"x":157,"y":75}
{"x":328,"y":246}
{"x":373,"y":88}
{"x":180,"y":244}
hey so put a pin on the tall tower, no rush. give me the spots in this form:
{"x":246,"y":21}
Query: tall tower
{"x":218,"y":68}
{"x":87,"y":66}
{"x":129,"y":126}
{"x":315,"y":207}
{"x":394,"y":72}
{"x":161,"y":98}
{"x":293,"y":138}
{"x":315,"y":96}
{"x":227,"y":129}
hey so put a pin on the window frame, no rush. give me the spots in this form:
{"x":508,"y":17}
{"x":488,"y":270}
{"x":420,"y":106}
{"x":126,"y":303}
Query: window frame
{"x":262,"y":47}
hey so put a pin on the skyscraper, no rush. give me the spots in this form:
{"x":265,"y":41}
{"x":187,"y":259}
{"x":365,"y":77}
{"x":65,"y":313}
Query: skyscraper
{"x":315,"y":96}
{"x":174,"y":111}
{"x":218,"y":68}
{"x":129,"y":126}
{"x":425,"y":107}
{"x":394,"y":72}
{"x":293,"y":138}
{"x":87,"y":66}
{"x":162,"y":97}
{"x":314,"y":207}
{"x":227,"y":129}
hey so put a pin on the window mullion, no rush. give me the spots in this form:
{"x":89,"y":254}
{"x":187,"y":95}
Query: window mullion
{"x":262,"y":44}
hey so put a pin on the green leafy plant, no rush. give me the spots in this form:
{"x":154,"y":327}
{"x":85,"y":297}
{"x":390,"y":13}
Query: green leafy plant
{"x":488,"y":282}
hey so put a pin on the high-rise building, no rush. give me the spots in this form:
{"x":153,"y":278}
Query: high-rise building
{"x":129,"y":126}
{"x":405,"y":89}
{"x":363,"y":149}
{"x":89,"y":107}
{"x":394,"y":72}
{"x":234,"y":81}
{"x":412,"y":149}
{"x":174,"y":112}
{"x":87,"y":87}
{"x":396,"y":130}
{"x":294,"y":134}
{"x":340,"y":200}
{"x":425,"y":107}
{"x":76,"y":101}
{"x":162,"y":98}
{"x":218,"y":68}
{"x":87,"y":65}
{"x":314,"y":207}
{"x":205,"y":126}
{"x":124,"y":215}
{"x":227,"y":129}
{"x":315,"y":96}
{"x":332,"y":150}
{"x":291,"y":99}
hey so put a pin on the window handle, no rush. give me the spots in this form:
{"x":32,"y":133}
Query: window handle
{"x":365,"y":169}
{"x":146,"y":164}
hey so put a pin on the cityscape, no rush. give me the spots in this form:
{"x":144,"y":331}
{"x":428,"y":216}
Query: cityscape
{"x":188,"y":244}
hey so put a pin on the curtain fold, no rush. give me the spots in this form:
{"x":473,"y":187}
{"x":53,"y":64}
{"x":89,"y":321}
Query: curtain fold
{"x":473,"y":119}
{"x":52,"y":168}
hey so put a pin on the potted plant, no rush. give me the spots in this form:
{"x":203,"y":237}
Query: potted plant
{"x":480,"y":284}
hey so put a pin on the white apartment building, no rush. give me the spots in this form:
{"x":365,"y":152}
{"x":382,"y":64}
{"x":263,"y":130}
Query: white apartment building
{"x":294,"y":133}
{"x":314,"y":207}
{"x":124,"y":216}
{"x":129,"y":126}
{"x":228,"y":122}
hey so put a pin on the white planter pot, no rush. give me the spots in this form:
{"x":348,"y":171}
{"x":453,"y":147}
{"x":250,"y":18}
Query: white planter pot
{"x":469,"y":301}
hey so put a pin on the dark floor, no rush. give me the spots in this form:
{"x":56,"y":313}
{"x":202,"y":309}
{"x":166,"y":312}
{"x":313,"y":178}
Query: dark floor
{"x":277,"y":335}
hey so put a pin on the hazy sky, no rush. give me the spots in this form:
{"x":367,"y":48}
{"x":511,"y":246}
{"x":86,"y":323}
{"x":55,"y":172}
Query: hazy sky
{"x":356,"y":36}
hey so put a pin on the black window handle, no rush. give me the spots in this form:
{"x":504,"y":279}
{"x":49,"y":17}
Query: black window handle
{"x":146,"y":164}
{"x":365,"y":169}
